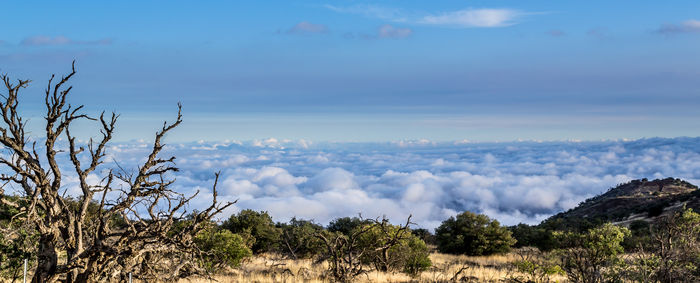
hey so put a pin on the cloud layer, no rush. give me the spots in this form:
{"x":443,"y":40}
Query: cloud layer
{"x":512,"y":182}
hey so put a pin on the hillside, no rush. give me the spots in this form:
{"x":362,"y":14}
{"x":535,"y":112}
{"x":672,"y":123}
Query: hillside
{"x":636,"y":200}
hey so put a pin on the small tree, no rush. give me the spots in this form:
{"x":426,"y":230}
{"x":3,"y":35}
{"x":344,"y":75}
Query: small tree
{"x":258,"y":225}
{"x":299,"y":239}
{"x":676,"y":242}
{"x":221,"y":248}
{"x":346,"y":225}
{"x":473,"y":234}
{"x":533,"y":236}
{"x":425,"y":235}
{"x":393,"y":248}
{"x":593,"y":257}
{"x":538,"y":266}
{"x":17,"y":239}
{"x":350,"y":255}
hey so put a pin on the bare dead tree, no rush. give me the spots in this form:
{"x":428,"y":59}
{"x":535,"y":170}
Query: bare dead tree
{"x":96,"y":248}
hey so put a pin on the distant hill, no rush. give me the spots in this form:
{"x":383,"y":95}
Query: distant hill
{"x":636,"y":200}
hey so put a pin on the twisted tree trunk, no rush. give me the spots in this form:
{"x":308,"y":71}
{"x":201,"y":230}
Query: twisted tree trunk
{"x":61,"y":223}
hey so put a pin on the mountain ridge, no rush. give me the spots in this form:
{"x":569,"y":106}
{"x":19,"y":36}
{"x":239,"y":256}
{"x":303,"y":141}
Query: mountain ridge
{"x":636,"y":200}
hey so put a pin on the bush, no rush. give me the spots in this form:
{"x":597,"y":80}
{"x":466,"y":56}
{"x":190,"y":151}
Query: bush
{"x":473,"y":234}
{"x":379,"y":244}
{"x":393,"y":248}
{"x":345,"y":225}
{"x":17,"y":239}
{"x":424,"y":235}
{"x":536,"y":265}
{"x":258,"y":225}
{"x":299,"y":239}
{"x":593,"y":256}
{"x":676,"y":243}
{"x":640,"y":237}
{"x":533,"y":236}
{"x":416,"y":257}
{"x":221,"y":248}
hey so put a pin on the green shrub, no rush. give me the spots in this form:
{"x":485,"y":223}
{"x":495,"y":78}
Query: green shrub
{"x":258,"y":225}
{"x":536,"y":265}
{"x":345,"y":225}
{"x":593,"y":256}
{"x":221,"y":248}
{"x":473,"y":234}
{"x":676,"y":242}
{"x":533,"y":236}
{"x":424,"y":235}
{"x":377,"y":244}
{"x":393,"y":248}
{"x":416,"y":257}
{"x":299,"y":240}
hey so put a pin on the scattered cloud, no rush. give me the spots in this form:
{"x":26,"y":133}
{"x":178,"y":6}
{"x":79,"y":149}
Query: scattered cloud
{"x":389,"y":31}
{"x":556,"y":33}
{"x":512,"y":182}
{"x":372,"y":11}
{"x":474,"y":18}
{"x":466,"y":18}
{"x":41,"y":40}
{"x":689,"y":26}
{"x":307,"y":28}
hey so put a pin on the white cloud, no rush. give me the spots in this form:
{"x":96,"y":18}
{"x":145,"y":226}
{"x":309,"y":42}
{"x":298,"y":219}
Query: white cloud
{"x":474,"y":18}
{"x":466,"y":18}
{"x":331,"y":179}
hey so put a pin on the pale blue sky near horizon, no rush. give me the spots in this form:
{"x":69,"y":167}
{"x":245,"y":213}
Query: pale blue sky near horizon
{"x":369,"y":70}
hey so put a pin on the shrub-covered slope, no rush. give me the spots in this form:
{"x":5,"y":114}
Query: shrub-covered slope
{"x":635,"y":200}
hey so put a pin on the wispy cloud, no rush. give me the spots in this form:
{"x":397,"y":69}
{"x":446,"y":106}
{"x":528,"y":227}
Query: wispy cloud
{"x":41,"y":40}
{"x":465,"y":18}
{"x":307,"y":28}
{"x":474,"y":18}
{"x":689,"y":26}
{"x":372,"y":11}
{"x":389,"y":31}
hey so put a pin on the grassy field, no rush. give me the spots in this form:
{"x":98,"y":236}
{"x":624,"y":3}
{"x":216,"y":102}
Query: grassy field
{"x":446,"y":268}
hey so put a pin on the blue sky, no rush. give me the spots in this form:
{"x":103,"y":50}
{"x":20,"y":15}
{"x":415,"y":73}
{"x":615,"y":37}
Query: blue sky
{"x":369,"y":71}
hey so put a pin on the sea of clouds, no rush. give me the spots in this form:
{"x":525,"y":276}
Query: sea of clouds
{"x":512,"y":182}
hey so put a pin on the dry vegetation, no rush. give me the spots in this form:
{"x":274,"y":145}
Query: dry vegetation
{"x":446,"y":268}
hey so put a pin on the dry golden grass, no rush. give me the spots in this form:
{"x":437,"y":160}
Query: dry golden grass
{"x":446,"y":268}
